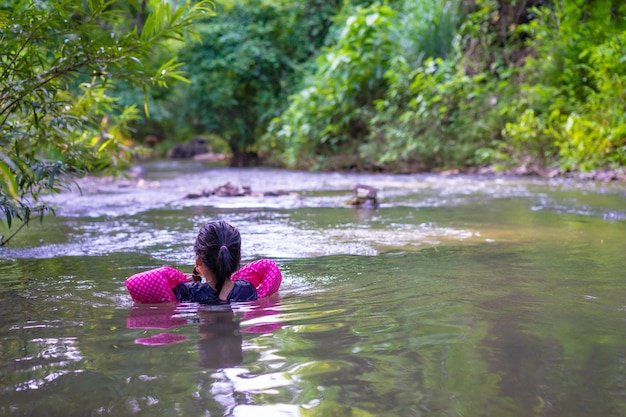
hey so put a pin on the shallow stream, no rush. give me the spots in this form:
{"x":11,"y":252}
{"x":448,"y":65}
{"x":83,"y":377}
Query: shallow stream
{"x":458,"y":296}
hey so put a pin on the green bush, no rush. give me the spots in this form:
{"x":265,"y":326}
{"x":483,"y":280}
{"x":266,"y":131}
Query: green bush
{"x":571,"y":103}
{"x":335,"y":102}
{"x":59,"y":62}
{"x":250,"y":59}
{"x":328,"y":124}
{"x":451,"y":121}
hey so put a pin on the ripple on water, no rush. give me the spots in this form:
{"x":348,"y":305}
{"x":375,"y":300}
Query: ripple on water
{"x":158,"y":221}
{"x":282,"y":239}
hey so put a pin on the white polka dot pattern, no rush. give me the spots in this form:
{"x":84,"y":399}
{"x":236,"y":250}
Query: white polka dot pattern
{"x":264,"y":274}
{"x":155,"y":286}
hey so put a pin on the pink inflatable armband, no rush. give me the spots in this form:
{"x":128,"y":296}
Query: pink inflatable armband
{"x":155,"y":286}
{"x":264,"y":274}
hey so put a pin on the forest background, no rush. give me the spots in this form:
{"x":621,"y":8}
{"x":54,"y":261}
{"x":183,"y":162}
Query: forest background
{"x":386,"y":86}
{"x":407,"y":85}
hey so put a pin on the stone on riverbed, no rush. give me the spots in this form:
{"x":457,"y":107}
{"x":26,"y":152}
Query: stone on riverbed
{"x":230,"y":190}
{"x":364,"y":196}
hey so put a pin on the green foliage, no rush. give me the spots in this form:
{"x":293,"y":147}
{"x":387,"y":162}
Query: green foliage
{"x":428,"y":29}
{"x":333,"y":104}
{"x":450,"y":119}
{"x":571,"y":105}
{"x":60,"y":60}
{"x":236,"y":75}
{"x":249,"y":60}
{"x":412,"y":85}
{"x":332,"y":113}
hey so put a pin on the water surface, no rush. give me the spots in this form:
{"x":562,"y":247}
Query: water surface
{"x":458,"y":296}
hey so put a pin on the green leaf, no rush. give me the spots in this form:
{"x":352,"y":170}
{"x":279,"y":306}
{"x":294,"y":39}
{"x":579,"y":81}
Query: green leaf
{"x":178,"y":76}
{"x":51,"y":113}
{"x":104,"y":145}
{"x":9,"y":181}
{"x":146,"y":102}
{"x":51,"y":178}
{"x":149,"y":26}
{"x":9,"y":217}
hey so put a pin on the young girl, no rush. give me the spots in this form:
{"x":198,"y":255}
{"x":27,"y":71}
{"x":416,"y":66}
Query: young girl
{"x":218,"y":255}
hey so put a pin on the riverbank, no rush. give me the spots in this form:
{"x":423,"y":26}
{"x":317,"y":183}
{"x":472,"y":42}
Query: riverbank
{"x":527,"y":169}
{"x":605,"y":175}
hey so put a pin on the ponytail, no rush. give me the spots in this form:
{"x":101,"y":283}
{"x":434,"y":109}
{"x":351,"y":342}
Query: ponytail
{"x":223,"y":270}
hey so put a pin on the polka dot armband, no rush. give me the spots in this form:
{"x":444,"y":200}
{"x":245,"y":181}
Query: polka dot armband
{"x":155,"y":286}
{"x":264,"y":274}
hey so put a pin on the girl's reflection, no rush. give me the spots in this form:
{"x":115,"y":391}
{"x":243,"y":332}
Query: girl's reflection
{"x":219,"y":327}
{"x":220,"y":344}
{"x":156,"y":317}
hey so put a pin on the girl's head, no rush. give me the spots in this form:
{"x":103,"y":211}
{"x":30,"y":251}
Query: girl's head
{"x":218,"y":246}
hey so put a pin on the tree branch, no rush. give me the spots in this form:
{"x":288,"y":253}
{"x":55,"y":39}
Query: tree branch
{"x":4,"y":241}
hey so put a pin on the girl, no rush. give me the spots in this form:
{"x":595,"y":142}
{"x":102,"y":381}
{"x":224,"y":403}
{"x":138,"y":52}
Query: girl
{"x":218,"y":255}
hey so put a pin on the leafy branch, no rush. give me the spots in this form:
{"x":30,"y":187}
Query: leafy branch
{"x":60,"y":62}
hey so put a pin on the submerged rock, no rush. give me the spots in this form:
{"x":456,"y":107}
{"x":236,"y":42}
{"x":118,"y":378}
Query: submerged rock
{"x":364,"y":196}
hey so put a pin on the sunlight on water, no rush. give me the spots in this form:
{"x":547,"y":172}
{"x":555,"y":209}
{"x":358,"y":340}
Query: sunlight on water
{"x":157,"y":219}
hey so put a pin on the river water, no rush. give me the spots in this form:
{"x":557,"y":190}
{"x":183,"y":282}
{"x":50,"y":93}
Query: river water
{"x":458,"y":296}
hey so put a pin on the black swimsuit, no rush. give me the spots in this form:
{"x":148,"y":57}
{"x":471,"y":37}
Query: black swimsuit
{"x":203,"y":293}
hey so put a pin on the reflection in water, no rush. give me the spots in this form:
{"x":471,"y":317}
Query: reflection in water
{"x":582,"y":375}
{"x":219,"y":328}
{"x":156,"y":317}
{"x":52,"y":353}
{"x":220,"y":344}
{"x":518,"y":358}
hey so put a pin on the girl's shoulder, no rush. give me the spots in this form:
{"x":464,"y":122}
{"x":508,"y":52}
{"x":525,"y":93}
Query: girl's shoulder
{"x":193,"y":292}
{"x":242,"y":291}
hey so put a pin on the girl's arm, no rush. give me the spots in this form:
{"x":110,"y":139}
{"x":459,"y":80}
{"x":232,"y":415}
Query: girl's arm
{"x":264,"y":274}
{"x":155,"y":286}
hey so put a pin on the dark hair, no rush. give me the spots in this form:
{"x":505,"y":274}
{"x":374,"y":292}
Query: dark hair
{"x":219,"y":247}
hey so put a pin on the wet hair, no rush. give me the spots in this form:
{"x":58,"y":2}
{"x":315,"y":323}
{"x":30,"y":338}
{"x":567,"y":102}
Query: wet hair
{"x":219,"y":247}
